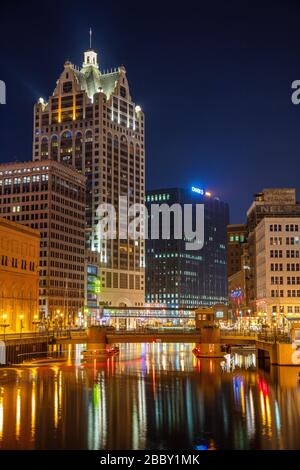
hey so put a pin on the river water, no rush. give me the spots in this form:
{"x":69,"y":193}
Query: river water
{"x":152,"y":396}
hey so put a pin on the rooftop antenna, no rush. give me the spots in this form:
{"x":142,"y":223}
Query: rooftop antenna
{"x":90,"y":38}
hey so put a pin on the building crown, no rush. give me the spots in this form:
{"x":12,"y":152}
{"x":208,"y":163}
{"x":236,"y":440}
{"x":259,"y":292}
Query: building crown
{"x":90,"y":56}
{"x":90,"y":59}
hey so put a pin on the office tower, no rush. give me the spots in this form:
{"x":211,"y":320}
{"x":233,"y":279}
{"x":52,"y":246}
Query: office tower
{"x":50,"y":197}
{"x":179,"y":277}
{"x":91,"y":123}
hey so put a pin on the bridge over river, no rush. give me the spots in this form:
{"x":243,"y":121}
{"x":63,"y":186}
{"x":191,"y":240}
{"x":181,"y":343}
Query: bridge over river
{"x":271,"y":348}
{"x":274,"y":348}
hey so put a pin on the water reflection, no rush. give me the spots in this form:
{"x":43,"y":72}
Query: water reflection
{"x":152,"y":396}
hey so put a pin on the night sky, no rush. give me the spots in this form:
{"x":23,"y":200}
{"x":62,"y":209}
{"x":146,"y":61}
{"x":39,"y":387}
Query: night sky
{"x":213,"y":78}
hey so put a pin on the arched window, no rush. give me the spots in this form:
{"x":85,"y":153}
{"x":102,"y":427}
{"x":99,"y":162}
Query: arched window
{"x":116,"y":144}
{"x":54,"y":147}
{"x":109,"y":145}
{"x":88,"y":150}
{"x":89,"y":136}
{"x":78,"y":151}
{"x":124,"y":166}
{"x":66,"y":147}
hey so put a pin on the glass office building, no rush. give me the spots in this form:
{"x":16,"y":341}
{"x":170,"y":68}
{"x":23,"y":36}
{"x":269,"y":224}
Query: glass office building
{"x":176,"y":276}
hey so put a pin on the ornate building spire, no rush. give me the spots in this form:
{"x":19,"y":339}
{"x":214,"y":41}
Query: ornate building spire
{"x":90,"y":56}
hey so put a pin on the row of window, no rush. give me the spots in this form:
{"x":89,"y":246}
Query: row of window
{"x":13,"y":262}
{"x":237,"y":238}
{"x":291,"y":280}
{"x":24,"y":170}
{"x":288,"y":228}
{"x":289,"y":254}
{"x":288,"y":240}
{"x":290,"y":309}
{"x":24,"y":179}
{"x":290,"y":293}
{"x":289,"y":267}
{"x":157,"y":197}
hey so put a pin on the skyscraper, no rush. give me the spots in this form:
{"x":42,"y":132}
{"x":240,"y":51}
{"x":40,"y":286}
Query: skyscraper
{"x":179,"y":277}
{"x":91,"y":123}
{"x":50,"y":197}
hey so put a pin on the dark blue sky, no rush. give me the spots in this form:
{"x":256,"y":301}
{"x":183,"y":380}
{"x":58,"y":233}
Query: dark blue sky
{"x":213,"y":78}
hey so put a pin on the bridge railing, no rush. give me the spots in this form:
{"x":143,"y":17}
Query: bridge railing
{"x":149,"y":331}
{"x":226,"y":332}
{"x":268,"y":336}
{"x":271,"y":337}
{"x":38,"y":334}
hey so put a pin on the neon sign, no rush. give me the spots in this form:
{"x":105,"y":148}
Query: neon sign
{"x":198,"y":190}
{"x":236,"y":293}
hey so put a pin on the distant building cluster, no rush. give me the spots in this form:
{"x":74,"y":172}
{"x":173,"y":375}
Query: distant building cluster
{"x":263,"y":258}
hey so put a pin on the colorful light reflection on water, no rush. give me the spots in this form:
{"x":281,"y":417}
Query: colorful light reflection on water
{"x":155,"y":396}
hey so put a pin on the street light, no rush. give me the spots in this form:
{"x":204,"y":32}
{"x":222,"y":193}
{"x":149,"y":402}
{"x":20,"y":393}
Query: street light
{"x":79,"y":319}
{"x":21,"y":320}
{"x":61,"y":322}
{"x":36,"y":322}
{"x":4,"y":325}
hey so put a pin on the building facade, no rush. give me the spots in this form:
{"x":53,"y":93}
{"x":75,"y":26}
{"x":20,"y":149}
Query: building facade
{"x":179,"y":277}
{"x":91,"y":123}
{"x":19,"y":277}
{"x":269,"y":203}
{"x":238,"y":289}
{"x":92,"y":287}
{"x":278,"y":267}
{"x":236,"y":237}
{"x":238,"y":270}
{"x":50,"y":197}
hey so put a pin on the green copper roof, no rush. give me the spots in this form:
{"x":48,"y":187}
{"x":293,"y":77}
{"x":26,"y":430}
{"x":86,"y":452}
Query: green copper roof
{"x":108,"y":82}
{"x":91,"y":80}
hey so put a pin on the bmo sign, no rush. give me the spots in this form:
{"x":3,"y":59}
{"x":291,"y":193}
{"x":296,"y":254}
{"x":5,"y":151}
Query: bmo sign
{"x":198,"y":190}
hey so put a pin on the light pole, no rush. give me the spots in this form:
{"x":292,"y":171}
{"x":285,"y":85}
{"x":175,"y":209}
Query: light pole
{"x":57,"y":321}
{"x":36,"y":322}
{"x":79,"y":319}
{"x":61,"y":323}
{"x":21,"y":325}
{"x":4,"y":325}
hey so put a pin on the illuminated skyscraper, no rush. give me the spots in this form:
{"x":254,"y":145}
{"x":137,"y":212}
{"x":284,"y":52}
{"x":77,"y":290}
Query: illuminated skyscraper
{"x":179,"y":277}
{"x":91,"y":123}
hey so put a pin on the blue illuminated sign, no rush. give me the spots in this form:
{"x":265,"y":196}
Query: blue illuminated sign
{"x":236,"y":293}
{"x":198,"y":190}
